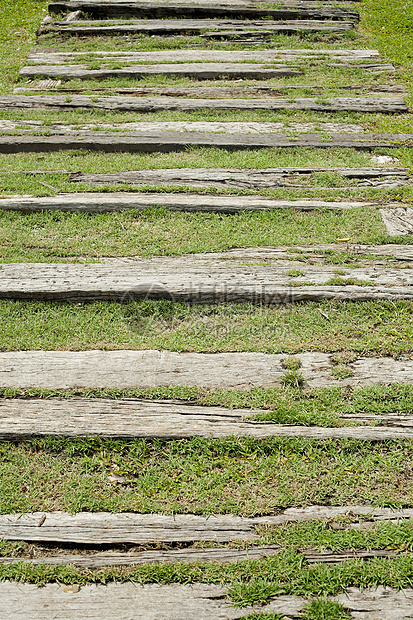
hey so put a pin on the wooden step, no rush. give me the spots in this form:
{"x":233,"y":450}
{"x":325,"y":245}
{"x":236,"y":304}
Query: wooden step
{"x":200,"y":279}
{"x":126,"y":10}
{"x":398,"y":221}
{"x":104,"y":528}
{"x":196,"y":71}
{"x":44,"y":57}
{"x":216,"y":27}
{"x":96,"y":561}
{"x":240,"y":178}
{"x":173,"y":141}
{"x":224,"y":555}
{"x":148,"y":368}
{"x":196,"y":203}
{"x":214,"y":92}
{"x":180,"y":602}
{"x":130,"y":419}
{"x":383,"y":105}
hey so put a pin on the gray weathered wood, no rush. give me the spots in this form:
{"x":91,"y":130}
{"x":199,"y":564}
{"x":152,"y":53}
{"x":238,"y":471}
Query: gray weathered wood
{"x":172,"y":141}
{"x":214,"y":92}
{"x":199,"y":279}
{"x":384,"y":419}
{"x":219,"y":27}
{"x":149,"y":368}
{"x":128,"y":419}
{"x":239,"y":178}
{"x":127,"y":10}
{"x":384,"y":105}
{"x":44,"y":57}
{"x":398,"y":221}
{"x":107,"y":202}
{"x":103,"y":528}
{"x":129,"y":601}
{"x":180,"y":602}
{"x":197,"y":71}
{"x":97,"y":561}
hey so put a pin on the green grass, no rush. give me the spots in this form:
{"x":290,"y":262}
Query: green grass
{"x":233,"y":475}
{"x":55,"y":236}
{"x":382,"y":328}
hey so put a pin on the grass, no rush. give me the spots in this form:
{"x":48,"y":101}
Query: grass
{"x":234,"y":475}
{"x":378,"y":328}
{"x":55,"y":236}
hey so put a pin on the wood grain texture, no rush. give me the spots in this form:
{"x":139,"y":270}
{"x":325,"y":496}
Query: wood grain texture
{"x":174,"y":141}
{"x":200,"y":278}
{"x":133,"y":528}
{"x":127,"y":10}
{"x":108,"y":202}
{"x":149,"y":368}
{"x":224,"y":555}
{"x":180,"y":602}
{"x":196,"y":71}
{"x":128,"y":601}
{"x":398,"y":221}
{"x":129,"y":419}
{"x":214,"y":92}
{"x":220,"y":27}
{"x":44,"y":57}
{"x":383,"y":105}
{"x":242,"y":178}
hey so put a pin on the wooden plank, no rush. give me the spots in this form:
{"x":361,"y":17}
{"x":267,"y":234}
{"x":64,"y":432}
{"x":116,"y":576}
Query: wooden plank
{"x":110,"y":202}
{"x":219,"y":27}
{"x":197,"y":71}
{"x":103,"y":528}
{"x":127,"y":10}
{"x":149,"y":368}
{"x":130,"y":419}
{"x":398,"y":221}
{"x":199,"y":279}
{"x":383,"y":105}
{"x":224,"y":555}
{"x":385,"y":419}
{"x":180,"y":602}
{"x":241,"y":178}
{"x":44,"y":57}
{"x":214,"y":92}
{"x":21,"y":601}
{"x":174,"y":141}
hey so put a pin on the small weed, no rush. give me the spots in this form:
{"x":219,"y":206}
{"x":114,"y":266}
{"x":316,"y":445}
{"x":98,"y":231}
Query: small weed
{"x":324,"y":609}
{"x":291,"y":363}
{"x":292,"y":378}
{"x":295,"y":273}
{"x":341,"y":371}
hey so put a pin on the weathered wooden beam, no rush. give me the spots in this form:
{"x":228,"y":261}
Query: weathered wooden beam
{"x":223,"y":555}
{"x":44,"y":57}
{"x":103,"y":528}
{"x":398,"y":221}
{"x":161,"y":10}
{"x":218,"y":27}
{"x":108,"y":202}
{"x":383,"y":105}
{"x":130,"y":419}
{"x":200,"y":279}
{"x":186,"y":602}
{"x":241,"y":178}
{"x":196,"y":71}
{"x":135,"y":369}
{"x":96,"y":561}
{"x":172,"y":141}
